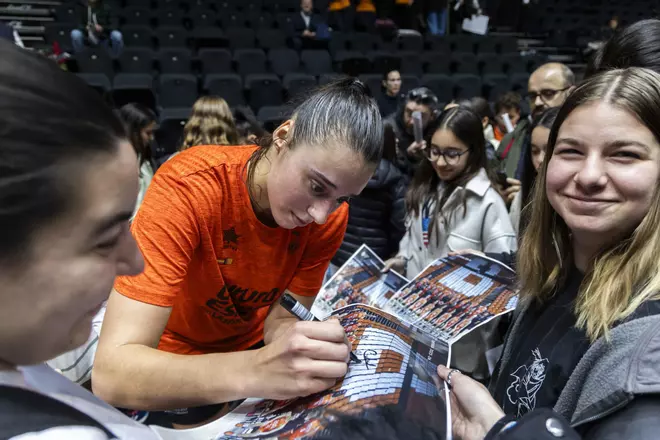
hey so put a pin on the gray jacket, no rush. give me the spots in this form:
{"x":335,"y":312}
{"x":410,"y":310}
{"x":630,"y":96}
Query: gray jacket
{"x":614,"y":392}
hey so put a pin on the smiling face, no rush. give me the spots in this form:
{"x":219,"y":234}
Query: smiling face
{"x":603,"y":173}
{"x":308,"y":183}
{"x":456,"y":155}
{"x":50,"y":299}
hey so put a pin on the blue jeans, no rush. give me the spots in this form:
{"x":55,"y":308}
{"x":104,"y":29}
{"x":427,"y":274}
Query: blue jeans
{"x":115,"y":42}
{"x":437,"y":22}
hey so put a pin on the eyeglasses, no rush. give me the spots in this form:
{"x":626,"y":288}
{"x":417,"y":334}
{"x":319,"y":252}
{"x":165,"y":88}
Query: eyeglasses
{"x":451,"y":156}
{"x":545,"y":94}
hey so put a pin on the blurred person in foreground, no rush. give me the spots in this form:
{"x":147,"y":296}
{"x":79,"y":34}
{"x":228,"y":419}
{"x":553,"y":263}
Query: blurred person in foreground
{"x":68,"y":188}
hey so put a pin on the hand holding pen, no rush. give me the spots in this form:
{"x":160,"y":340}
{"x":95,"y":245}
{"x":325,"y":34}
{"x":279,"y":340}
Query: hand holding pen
{"x":294,"y":307}
{"x":303,"y":359}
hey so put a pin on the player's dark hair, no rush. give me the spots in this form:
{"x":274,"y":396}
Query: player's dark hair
{"x":342,"y":112}
{"x":383,"y":423}
{"x":49,"y":120}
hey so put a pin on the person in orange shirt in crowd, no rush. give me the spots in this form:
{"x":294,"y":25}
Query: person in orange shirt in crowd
{"x":225,"y":232}
{"x":511,"y":104}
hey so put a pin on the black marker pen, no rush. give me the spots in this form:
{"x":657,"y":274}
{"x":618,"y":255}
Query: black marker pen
{"x":299,"y":311}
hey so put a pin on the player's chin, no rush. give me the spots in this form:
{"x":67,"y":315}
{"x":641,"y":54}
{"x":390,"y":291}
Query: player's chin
{"x":284,"y":221}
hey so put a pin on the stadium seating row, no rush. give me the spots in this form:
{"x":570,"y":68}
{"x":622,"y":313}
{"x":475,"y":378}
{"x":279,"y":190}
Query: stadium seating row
{"x":283,"y":61}
{"x":244,"y":38}
{"x":172,"y":90}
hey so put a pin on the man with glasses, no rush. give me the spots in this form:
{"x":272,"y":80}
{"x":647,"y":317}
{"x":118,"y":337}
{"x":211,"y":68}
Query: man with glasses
{"x":409,"y":152}
{"x":548,"y":87}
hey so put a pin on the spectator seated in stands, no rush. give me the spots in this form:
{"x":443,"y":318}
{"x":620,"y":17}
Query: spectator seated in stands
{"x":436,"y":16}
{"x":308,"y":28}
{"x":10,"y":34}
{"x":409,"y":152}
{"x":548,"y":87}
{"x":98,"y":25}
{"x":509,"y":103}
{"x":211,"y":123}
{"x":389,"y":101}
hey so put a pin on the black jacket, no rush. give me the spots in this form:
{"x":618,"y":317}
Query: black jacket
{"x":298,"y":24}
{"x":388,"y":104}
{"x":376,"y":217}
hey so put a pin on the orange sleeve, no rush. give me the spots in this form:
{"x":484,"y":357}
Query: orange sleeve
{"x":166,"y":230}
{"x":321,"y":246}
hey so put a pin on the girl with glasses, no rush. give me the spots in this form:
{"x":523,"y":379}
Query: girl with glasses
{"x":452,"y":205}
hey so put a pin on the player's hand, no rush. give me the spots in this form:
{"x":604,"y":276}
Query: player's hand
{"x":416,"y":148}
{"x":473,"y":410}
{"x":397,"y":264}
{"x":307,"y":358}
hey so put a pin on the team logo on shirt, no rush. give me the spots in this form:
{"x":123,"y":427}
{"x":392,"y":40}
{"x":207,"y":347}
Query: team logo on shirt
{"x":230,"y":238}
{"x":527,"y":381}
{"x":223,"y":306}
{"x":294,"y":245}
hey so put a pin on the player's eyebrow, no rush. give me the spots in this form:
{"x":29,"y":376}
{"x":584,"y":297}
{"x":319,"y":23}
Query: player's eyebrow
{"x":327,"y":181}
{"x":324,"y":179}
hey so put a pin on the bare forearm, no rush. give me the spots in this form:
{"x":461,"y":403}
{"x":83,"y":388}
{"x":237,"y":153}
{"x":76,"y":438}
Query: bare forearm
{"x":140,"y":377}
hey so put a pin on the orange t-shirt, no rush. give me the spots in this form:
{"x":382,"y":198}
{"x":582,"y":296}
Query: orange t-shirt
{"x":210,"y":259}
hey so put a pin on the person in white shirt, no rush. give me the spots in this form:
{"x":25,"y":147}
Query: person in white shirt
{"x":68,"y":187}
{"x":452,"y":205}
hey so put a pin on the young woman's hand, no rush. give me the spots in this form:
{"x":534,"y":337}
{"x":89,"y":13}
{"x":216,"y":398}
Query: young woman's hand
{"x":510,"y":192}
{"x":397,"y":264}
{"x":466,"y":252}
{"x":473,"y":410}
{"x":307,"y":358}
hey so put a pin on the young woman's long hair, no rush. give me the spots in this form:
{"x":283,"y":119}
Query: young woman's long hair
{"x":211,"y":123}
{"x":466,"y":126}
{"x":529,"y":173}
{"x":136,"y":118}
{"x":627,"y":273}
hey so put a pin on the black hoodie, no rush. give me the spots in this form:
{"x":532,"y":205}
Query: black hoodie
{"x":376,"y":216}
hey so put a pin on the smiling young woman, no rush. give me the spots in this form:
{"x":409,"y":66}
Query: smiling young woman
{"x":586,"y":335}
{"x":225,"y":232}
{"x":452,"y":205}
